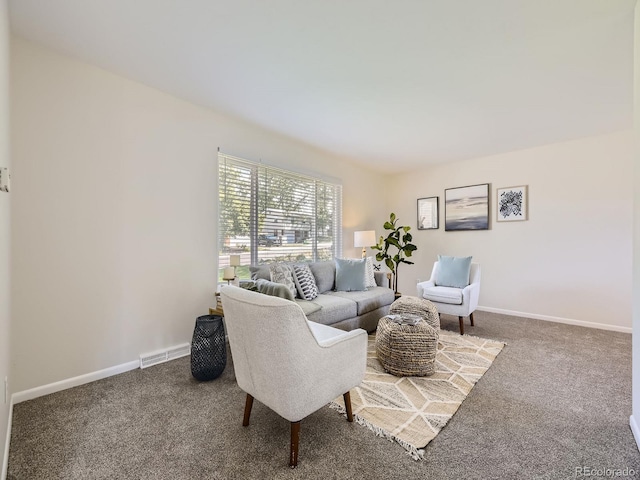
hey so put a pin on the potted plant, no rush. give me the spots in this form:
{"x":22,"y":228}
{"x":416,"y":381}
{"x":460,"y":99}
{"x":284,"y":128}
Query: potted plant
{"x":399,"y":241}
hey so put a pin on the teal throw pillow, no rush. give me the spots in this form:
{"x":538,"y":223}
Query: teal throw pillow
{"x":350,"y":275}
{"x":453,"y":271}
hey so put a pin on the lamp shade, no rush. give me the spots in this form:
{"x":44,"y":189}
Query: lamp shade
{"x":234,"y":260}
{"x":229,"y":273}
{"x":365,"y":238}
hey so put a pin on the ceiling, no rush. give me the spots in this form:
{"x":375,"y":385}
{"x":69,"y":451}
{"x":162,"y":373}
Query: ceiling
{"x":393,"y":85}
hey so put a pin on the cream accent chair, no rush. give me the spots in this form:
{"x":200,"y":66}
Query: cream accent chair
{"x":291,"y":365}
{"x":460,"y":302}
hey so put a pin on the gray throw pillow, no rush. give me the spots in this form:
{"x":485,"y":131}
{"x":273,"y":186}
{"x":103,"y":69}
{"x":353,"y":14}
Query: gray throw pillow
{"x":274,"y":289}
{"x":305,"y":281}
{"x":350,"y":275}
{"x":453,"y":271}
{"x":260,"y":271}
{"x":281,"y":273}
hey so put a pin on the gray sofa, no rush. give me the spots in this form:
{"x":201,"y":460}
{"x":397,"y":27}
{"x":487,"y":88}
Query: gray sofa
{"x":343,"y":310}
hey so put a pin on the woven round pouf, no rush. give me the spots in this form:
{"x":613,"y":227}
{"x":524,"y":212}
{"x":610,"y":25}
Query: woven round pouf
{"x":417,"y":306}
{"x":407,"y":350}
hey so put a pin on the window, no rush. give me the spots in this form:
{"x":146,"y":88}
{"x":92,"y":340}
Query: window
{"x":267,"y":214}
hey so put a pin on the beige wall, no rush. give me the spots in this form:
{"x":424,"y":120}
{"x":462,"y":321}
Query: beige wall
{"x":5,"y":330}
{"x":571,"y":260}
{"x":115,"y":212}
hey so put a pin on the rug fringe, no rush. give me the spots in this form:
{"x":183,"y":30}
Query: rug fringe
{"x":412,"y":451}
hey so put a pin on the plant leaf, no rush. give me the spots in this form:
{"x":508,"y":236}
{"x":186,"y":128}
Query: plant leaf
{"x":390,"y":264}
{"x":394,"y":242}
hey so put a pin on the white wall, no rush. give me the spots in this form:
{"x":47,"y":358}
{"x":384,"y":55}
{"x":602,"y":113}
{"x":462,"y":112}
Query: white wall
{"x":115,"y":212}
{"x":5,"y":312}
{"x":572,"y":258}
{"x":635,"y":417}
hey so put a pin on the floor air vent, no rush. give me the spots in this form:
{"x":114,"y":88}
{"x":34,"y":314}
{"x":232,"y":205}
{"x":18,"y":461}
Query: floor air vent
{"x":154,"y":358}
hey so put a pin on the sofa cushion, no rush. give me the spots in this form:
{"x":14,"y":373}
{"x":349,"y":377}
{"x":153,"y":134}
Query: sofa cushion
{"x":350,"y":274}
{"x":324,"y":332}
{"x":305,"y":281}
{"x":325,"y":275}
{"x":453,"y":271}
{"x":369,"y":300}
{"x":307,"y":306}
{"x":334,"y":309}
{"x":449,"y":295}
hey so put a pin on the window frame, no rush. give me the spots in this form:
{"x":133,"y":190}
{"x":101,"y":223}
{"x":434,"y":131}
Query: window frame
{"x":252,"y":181}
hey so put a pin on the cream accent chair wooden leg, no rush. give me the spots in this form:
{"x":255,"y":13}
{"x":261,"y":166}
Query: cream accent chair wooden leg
{"x":291,"y":365}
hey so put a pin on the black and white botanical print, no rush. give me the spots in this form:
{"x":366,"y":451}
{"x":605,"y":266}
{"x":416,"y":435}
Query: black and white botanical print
{"x":512,"y":203}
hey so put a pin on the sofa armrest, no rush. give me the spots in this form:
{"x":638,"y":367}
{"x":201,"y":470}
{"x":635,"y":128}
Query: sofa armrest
{"x":381,"y":279}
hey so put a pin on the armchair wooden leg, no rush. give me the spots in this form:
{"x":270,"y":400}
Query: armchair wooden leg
{"x":247,"y":410}
{"x":471,"y":318}
{"x":461,"y":326}
{"x":347,"y":406}
{"x":295,"y":439}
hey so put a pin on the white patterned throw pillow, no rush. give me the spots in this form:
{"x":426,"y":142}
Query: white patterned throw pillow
{"x":370,"y":278}
{"x":282,"y":273}
{"x":305,"y":281}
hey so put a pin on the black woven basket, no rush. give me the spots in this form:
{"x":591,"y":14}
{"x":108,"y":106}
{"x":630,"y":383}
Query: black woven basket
{"x":208,"y":348}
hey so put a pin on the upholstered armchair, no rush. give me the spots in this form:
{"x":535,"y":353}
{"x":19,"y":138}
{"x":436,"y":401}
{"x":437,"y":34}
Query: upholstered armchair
{"x":291,"y":365}
{"x":460,"y":302}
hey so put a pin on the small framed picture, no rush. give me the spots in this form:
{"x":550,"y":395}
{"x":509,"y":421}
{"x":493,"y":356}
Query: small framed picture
{"x":512,"y":204}
{"x":428,"y":213}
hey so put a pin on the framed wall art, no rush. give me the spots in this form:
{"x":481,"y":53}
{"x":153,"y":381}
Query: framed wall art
{"x":512,"y":204}
{"x":428,"y":213}
{"x":466,"y":208}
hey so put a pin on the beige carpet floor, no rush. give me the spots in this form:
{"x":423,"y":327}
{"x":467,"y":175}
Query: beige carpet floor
{"x":557,"y":398}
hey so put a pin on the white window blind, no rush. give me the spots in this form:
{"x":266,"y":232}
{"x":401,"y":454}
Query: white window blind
{"x":267,"y":214}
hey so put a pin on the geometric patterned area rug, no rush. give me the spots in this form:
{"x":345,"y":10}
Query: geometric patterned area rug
{"x":412,"y":410}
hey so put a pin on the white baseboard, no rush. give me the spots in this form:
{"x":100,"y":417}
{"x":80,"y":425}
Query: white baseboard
{"x":635,"y":429}
{"x":5,"y":458}
{"x":73,"y":382}
{"x":548,"y":318}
